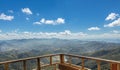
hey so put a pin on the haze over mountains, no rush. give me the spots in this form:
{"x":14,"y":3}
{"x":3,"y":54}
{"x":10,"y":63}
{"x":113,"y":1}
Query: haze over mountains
{"x":21,"y":48}
{"x":55,"y":44}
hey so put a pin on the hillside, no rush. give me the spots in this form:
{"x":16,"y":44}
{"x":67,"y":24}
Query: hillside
{"x":15,"y":49}
{"x":23,"y":48}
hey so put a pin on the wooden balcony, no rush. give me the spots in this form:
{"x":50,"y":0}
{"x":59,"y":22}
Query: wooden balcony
{"x":63,"y":62}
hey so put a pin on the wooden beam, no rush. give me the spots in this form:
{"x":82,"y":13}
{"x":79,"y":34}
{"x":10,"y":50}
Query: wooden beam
{"x":38,"y":64}
{"x":67,"y":67}
{"x":61,"y":58}
{"x":113,"y":66}
{"x":24,"y":65}
{"x":83,"y":63}
{"x":50,"y":60}
{"x":6,"y":66}
{"x":118,"y":66}
{"x":98,"y":65}
{"x":55,"y":67}
{"x":70,"y":60}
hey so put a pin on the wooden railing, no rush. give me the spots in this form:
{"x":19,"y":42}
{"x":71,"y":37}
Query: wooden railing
{"x":114,"y":65}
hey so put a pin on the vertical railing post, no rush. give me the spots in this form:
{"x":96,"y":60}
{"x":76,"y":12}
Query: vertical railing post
{"x":98,"y":65}
{"x":61,"y":58}
{"x":113,"y":66}
{"x":70,"y":60}
{"x":110,"y":66}
{"x":83,"y":63}
{"x":6,"y":66}
{"x":118,"y":66}
{"x":50,"y":60}
{"x":24,"y":65}
{"x":38,"y":64}
{"x":55,"y":67}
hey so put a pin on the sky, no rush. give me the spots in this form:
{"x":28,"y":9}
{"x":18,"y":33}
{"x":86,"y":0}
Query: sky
{"x":66,"y":19}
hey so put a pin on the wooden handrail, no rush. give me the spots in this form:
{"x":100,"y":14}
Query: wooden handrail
{"x":30,"y":58}
{"x":93,"y":58}
{"x":114,"y":65}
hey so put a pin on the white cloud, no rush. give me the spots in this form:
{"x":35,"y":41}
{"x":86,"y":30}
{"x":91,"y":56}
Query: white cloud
{"x":51,"y":22}
{"x":60,"y":20}
{"x":26,"y":11}
{"x":114,"y":23}
{"x":116,"y":31}
{"x":42,"y":20}
{"x":37,"y":23}
{"x":10,"y":11}
{"x":67,"y":34}
{"x":111,"y":16}
{"x":93,"y":28}
{"x":6,"y":17}
{"x":103,"y":36}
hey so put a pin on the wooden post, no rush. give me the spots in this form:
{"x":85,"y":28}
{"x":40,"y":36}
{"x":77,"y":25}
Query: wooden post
{"x":24,"y":65}
{"x":61,"y":58}
{"x":6,"y":66}
{"x":118,"y":66}
{"x":113,"y":66}
{"x":38,"y":64}
{"x":98,"y":65}
{"x":82,"y":63}
{"x":55,"y":67}
{"x":110,"y":66}
{"x":50,"y":60}
{"x":70,"y":59}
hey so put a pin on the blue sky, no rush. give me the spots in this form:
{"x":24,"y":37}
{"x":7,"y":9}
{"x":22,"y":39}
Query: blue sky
{"x":71,"y":19}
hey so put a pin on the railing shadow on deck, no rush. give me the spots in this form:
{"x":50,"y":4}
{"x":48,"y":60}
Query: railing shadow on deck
{"x":60,"y":64}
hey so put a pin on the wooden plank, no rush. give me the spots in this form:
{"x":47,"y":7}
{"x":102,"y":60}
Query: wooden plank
{"x":30,"y":58}
{"x":67,"y":67}
{"x":24,"y":65}
{"x":38,"y":64}
{"x":118,"y":66}
{"x":114,"y":66}
{"x":98,"y":65}
{"x":70,"y":60}
{"x":82,"y":63}
{"x":50,"y":60}
{"x":6,"y":66}
{"x":61,"y":58}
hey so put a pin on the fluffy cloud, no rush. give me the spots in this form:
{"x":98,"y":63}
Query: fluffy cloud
{"x":6,"y":17}
{"x":51,"y":22}
{"x":60,"y":20}
{"x":93,"y":28}
{"x":111,"y":16}
{"x":114,"y":23}
{"x":37,"y":23}
{"x":26,"y":11}
{"x":67,"y":34}
{"x":116,"y":31}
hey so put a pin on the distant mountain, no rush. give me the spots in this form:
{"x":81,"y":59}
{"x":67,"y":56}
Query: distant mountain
{"x":57,"y":45}
{"x":20,"y":48}
{"x":23,"y":48}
